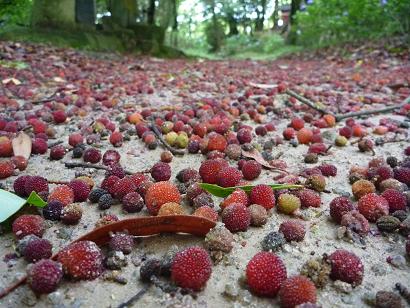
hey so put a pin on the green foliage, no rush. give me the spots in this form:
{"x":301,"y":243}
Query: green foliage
{"x":15,"y":11}
{"x":215,"y":35}
{"x":328,"y":22}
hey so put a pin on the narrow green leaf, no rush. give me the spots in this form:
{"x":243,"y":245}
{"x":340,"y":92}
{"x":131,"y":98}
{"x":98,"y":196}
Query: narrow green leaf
{"x":9,"y":204}
{"x":35,"y":199}
{"x":223,"y":192}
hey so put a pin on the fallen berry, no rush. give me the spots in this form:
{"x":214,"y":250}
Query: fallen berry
{"x":53,"y":209}
{"x":297,"y":290}
{"x":28,"y":224}
{"x":92,"y":155}
{"x":309,"y":198}
{"x":160,"y":193}
{"x":346,"y":266}
{"x":288,"y":203}
{"x":373,"y":206}
{"x":6,"y":169}
{"x":210,"y":168}
{"x":237,"y":196}
{"x":236,"y":217}
{"x":171,"y":208}
{"x":362,"y":187}
{"x":35,"y":183}
{"x":62,"y":193}
{"x":44,"y":276}
{"x":71,"y":214}
{"x":37,"y":249}
{"x":81,"y":190}
{"x":132,"y":202}
{"x":340,"y":206}
{"x":228,"y":177}
{"x":263,"y":195}
{"x":122,"y":242}
{"x":292,"y":230}
{"x":251,"y":170}
{"x":161,"y":172}
{"x":206,"y":212}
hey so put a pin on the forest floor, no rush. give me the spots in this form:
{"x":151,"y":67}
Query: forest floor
{"x":36,"y":80}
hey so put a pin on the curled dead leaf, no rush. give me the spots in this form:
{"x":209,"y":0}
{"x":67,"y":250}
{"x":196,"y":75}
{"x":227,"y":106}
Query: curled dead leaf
{"x":275,"y":165}
{"x":22,"y":145}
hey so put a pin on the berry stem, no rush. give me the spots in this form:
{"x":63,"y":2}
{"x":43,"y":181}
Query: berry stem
{"x":135,"y":298}
{"x":166,"y":145}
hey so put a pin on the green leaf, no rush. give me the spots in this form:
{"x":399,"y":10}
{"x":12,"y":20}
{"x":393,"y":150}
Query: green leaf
{"x":11,"y":203}
{"x":223,"y":192}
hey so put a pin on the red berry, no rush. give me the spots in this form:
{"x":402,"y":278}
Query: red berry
{"x":57,"y":152}
{"x":373,"y":206}
{"x":132,"y":202}
{"x":297,"y":290}
{"x":297,"y":123}
{"x":80,"y":189}
{"x":75,"y":139}
{"x":161,"y":172}
{"x":210,"y":168}
{"x":293,"y":230}
{"x":6,"y":148}
{"x":160,"y":193}
{"x":124,"y":186}
{"x":62,"y":193}
{"x":6,"y":169}
{"x":402,"y":174}
{"x":82,"y":260}
{"x":115,"y":169}
{"x":236,"y":217}
{"x":346,"y":131}
{"x":309,"y":198}
{"x":318,"y":148}
{"x":265,"y":273}
{"x":237,"y":196}
{"x":346,"y":266}
{"x":216,"y":142}
{"x":206,"y":212}
{"x":59,"y":116}
{"x":356,"y":222}
{"x":191,"y":268}
{"x":228,"y":177}
{"x":28,"y":224}
{"x":328,"y":169}
{"x":116,"y":139}
{"x":39,"y":146}
{"x":251,"y":170}
{"x":122,"y":242}
{"x":37,"y":184}
{"x":92,"y":155}
{"x":340,"y":206}
{"x":261,"y":130}
{"x":263,"y":195}
{"x":37,"y":249}
{"x":108,"y":183}
{"x":244,"y":135}
{"x":44,"y":276}
{"x":19,"y":185}
{"x":19,"y":162}
{"x":289,"y":133}
{"x":111,"y":157}
{"x":304,"y":136}
{"x":396,"y":199}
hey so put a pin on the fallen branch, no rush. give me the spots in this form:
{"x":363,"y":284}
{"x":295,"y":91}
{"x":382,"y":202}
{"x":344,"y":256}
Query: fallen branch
{"x":70,"y":165}
{"x":369,"y":112}
{"x":135,"y":298}
{"x":47,"y":99}
{"x":307,"y":102}
{"x":164,"y":143}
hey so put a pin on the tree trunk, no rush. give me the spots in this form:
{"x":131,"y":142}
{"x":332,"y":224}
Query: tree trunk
{"x":295,"y":6}
{"x":123,"y":12}
{"x":53,"y":13}
{"x":261,"y":17}
{"x":175,"y":23}
{"x":232,"y":24}
{"x":151,"y":12}
{"x":275,"y":15}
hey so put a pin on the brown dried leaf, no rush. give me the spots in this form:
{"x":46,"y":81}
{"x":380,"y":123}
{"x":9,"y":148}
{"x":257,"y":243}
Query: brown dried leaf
{"x":263,"y":86}
{"x":22,"y":145}
{"x":254,"y":154}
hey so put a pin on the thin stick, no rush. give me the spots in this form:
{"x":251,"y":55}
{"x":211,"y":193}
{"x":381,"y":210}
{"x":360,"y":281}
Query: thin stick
{"x":135,"y":298}
{"x":71,"y":164}
{"x":12,"y":287}
{"x":306,"y":101}
{"x":55,"y":143}
{"x":369,"y":112}
{"x":164,"y":143}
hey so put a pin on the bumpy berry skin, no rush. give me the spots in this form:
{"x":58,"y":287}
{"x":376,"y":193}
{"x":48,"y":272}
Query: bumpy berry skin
{"x":402,"y":174}
{"x":92,"y":155}
{"x":161,"y":172}
{"x":19,"y":185}
{"x":362,"y":187}
{"x":6,"y":169}
{"x":28,"y":224}
{"x":340,"y":206}
{"x":346,"y":266}
{"x":123,"y":187}
{"x":39,"y":146}
{"x":237,"y":196}
{"x":396,"y":199}
{"x":52,"y":211}
{"x":122,"y":242}
{"x":191,"y":268}
{"x":57,"y":152}
{"x":216,"y":142}
{"x":44,"y":276}
{"x":95,"y":194}
{"x":309,"y":198}
{"x":132,"y":202}
{"x":82,"y":260}
{"x":160,"y":193}
{"x":288,"y":203}
{"x":236,"y":217}
{"x":206,"y":212}
{"x":105,"y":202}
{"x":328,"y":169}
{"x":244,"y":135}
{"x":210,"y":168}
{"x":297,"y":290}
{"x":228,"y":177}
{"x":108,"y":183}
{"x":71,"y":214}
{"x":373,"y":207}
{"x":80,"y":189}
{"x":316,"y":182}
{"x":265,"y":273}
{"x":356,"y":222}
{"x":251,"y":170}
{"x":171,"y":208}
{"x":263,"y":195}
{"x":75,"y":139}
{"x":35,"y":183}
{"x":62,"y":193}
{"x":37,"y":249}
{"x":293,"y":230}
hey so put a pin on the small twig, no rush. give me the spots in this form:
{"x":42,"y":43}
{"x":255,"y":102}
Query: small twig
{"x":308,"y":102}
{"x":70,"y":165}
{"x":58,"y":182}
{"x":135,"y":298}
{"x":4,"y":292}
{"x":164,"y":143}
{"x":369,"y":112}
{"x":55,"y":143}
